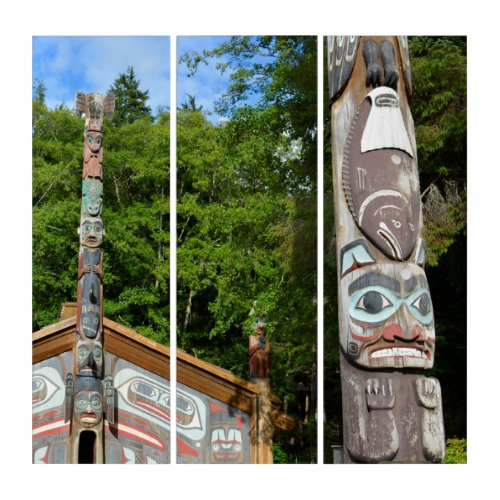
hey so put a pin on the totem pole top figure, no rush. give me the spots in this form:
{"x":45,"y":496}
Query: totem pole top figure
{"x":94,"y":105}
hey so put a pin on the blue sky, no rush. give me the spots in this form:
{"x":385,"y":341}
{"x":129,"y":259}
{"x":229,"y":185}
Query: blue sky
{"x":91,"y":64}
{"x":67,"y":64}
{"x":207,"y":85}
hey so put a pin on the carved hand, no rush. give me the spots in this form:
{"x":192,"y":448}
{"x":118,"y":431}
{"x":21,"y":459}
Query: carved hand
{"x":427,"y":392}
{"x":379,"y":394}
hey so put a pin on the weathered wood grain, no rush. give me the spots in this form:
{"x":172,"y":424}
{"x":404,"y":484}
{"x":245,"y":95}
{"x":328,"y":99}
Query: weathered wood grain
{"x":391,"y":410}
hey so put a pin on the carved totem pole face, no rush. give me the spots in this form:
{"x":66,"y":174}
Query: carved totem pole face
{"x":88,"y":408}
{"x":390,"y":321}
{"x":93,"y":140}
{"x":91,"y":232}
{"x":89,"y":358}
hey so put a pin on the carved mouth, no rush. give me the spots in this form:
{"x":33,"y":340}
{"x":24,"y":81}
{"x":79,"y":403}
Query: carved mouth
{"x":89,"y":418}
{"x":400,"y":352}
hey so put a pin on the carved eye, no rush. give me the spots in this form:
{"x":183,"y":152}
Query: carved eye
{"x":81,"y":403}
{"x":421,"y":306}
{"x":373,"y":302}
{"x":397,"y":224}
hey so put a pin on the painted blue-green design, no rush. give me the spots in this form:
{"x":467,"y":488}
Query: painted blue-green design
{"x":376,"y":304}
{"x":356,"y":252}
{"x":92,"y":197}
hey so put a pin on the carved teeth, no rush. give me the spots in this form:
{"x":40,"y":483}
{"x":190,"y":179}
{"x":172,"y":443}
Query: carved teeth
{"x":398,"y":351}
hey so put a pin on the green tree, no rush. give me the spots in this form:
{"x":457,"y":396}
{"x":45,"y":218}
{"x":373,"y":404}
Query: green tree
{"x":130,"y":100}
{"x":191,"y":104}
{"x":247,"y":219}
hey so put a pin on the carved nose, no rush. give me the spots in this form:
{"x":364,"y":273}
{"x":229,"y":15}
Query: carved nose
{"x":404,"y":333}
{"x":407,"y":328}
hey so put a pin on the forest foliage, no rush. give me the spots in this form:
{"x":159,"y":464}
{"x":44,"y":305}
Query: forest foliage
{"x":247,"y":218}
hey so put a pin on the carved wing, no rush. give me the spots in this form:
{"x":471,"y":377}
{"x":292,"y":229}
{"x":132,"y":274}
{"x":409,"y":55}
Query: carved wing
{"x":109,"y":105}
{"x":341,"y":56}
{"x":109,"y":398}
{"x":68,"y":401}
{"x":80,"y":104}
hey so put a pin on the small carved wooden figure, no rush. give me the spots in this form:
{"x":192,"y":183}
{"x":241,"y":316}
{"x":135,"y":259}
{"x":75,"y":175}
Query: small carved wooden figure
{"x":259,"y":350}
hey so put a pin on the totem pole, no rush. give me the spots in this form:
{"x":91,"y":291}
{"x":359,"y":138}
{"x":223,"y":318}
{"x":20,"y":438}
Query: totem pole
{"x":259,"y":350}
{"x":391,"y":410}
{"x":89,"y":395}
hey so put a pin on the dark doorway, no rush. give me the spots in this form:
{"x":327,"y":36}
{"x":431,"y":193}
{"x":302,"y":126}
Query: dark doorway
{"x":86,"y":448}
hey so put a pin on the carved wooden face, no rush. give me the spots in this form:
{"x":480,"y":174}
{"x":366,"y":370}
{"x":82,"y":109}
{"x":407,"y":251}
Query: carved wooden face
{"x":88,"y":408}
{"x":93,"y":140}
{"x":92,"y":197}
{"x":91,"y":232}
{"x":89,"y":358}
{"x":388,"y":320}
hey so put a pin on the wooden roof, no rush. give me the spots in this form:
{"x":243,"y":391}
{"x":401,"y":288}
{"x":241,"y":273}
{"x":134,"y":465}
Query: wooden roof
{"x":152,"y":356}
